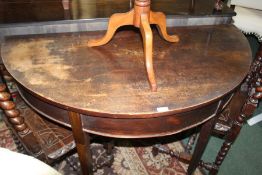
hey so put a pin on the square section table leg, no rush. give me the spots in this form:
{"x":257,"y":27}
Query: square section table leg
{"x":203,"y":139}
{"x":82,"y":140}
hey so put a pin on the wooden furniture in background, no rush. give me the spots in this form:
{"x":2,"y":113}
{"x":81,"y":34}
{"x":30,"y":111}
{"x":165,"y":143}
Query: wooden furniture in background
{"x":248,"y":20}
{"x":251,"y":92}
{"x":97,"y":91}
{"x":233,"y":117}
{"x":244,"y":104}
{"x":33,"y":134}
{"x":141,"y":17}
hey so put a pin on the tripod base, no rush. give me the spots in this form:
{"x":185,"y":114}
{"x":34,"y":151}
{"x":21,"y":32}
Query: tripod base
{"x":144,"y":21}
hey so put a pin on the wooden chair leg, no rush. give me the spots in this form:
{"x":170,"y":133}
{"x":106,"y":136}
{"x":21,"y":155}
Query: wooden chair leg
{"x":82,"y":141}
{"x":247,"y":110}
{"x":159,"y":19}
{"x":191,"y":142}
{"x":229,"y":140}
{"x":11,"y":112}
{"x":115,"y":21}
{"x":148,"y":49}
{"x":109,"y":146}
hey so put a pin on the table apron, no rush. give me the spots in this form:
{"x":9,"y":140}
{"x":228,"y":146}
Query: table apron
{"x":129,"y":127}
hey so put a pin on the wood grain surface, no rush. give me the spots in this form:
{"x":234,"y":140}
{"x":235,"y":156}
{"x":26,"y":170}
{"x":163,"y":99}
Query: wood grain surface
{"x":111,"y":80}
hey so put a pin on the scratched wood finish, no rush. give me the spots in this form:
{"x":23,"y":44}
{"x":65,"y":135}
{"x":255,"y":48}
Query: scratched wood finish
{"x":111,"y":81}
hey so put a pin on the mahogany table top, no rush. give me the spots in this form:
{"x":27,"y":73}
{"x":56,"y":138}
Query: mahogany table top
{"x":111,"y":80}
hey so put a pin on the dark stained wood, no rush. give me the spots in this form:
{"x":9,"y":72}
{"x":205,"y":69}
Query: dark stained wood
{"x":204,"y":136}
{"x":82,"y":143}
{"x":42,"y":138}
{"x":114,"y":84}
{"x":182,"y":156}
{"x":240,"y":108}
{"x":106,"y":91}
{"x":247,"y":110}
{"x":253,"y":88}
{"x":191,"y":142}
{"x":126,"y":127}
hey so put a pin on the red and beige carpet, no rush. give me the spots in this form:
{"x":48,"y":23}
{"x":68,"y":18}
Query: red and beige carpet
{"x":129,"y":159}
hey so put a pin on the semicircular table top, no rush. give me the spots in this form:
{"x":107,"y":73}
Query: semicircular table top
{"x":111,"y":80}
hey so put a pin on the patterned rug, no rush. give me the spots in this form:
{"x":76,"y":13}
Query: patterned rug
{"x":130,"y":158}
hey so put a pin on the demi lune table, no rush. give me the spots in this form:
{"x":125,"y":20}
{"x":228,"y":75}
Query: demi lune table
{"x":104,"y":91}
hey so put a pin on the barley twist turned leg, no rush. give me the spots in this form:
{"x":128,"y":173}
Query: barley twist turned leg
{"x":12,"y":114}
{"x":191,"y":142}
{"x":247,"y":110}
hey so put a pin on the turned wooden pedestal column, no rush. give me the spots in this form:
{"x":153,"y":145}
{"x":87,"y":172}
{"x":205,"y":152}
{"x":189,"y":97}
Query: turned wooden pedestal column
{"x":140,"y":16}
